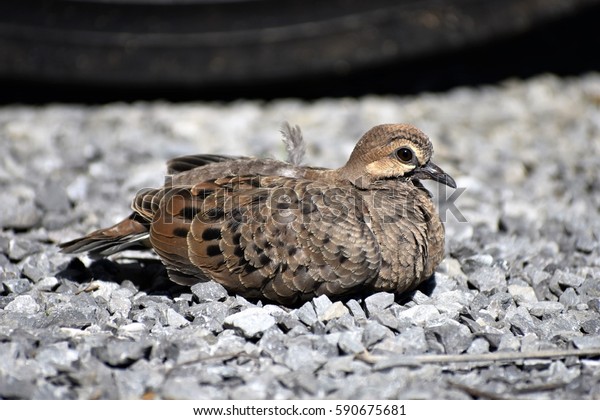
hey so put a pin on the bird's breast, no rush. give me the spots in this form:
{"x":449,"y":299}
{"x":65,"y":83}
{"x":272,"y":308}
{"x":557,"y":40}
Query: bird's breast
{"x":409,"y":233}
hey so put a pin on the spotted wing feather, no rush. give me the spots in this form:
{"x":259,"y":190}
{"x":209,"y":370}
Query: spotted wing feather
{"x":297,"y":239}
{"x":272,"y":236}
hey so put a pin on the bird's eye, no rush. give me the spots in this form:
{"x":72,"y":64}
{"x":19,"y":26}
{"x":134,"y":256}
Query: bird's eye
{"x":404,"y":154}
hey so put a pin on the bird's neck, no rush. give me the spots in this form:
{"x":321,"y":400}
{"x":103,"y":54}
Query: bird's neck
{"x":342,"y":175}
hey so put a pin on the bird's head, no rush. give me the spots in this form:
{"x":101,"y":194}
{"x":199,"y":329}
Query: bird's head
{"x":394,"y":151}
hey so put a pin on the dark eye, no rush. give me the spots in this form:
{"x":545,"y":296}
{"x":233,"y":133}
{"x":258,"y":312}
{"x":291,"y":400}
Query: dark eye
{"x":404,"y":154}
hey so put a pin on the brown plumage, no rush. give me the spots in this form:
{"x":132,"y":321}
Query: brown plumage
{"x":270,"y":229}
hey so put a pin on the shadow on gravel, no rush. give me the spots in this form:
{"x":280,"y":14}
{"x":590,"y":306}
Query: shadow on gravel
{"x":427,"y":288}
{"x":150,"y":276}
{"x":147,"y":274}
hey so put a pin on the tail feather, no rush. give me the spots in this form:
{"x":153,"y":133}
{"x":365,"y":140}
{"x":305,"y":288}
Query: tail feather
{"x":129,"y":233}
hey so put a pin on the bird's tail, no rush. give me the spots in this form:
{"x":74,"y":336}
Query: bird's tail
{"x":127,"y":234}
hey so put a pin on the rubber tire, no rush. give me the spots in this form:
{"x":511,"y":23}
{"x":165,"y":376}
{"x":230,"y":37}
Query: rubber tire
{"x":210,"y":43}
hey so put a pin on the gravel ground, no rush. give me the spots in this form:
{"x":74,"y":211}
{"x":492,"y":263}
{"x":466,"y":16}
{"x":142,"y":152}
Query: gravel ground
{"x":513,"y":312}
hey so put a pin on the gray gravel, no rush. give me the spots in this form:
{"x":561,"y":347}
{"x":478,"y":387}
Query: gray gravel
{"x":522,"y":274}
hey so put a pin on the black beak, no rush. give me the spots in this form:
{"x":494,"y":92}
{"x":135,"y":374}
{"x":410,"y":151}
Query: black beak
{"x":432,"y":171}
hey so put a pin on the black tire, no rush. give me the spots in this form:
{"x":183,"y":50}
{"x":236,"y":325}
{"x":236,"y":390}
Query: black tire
{"x":207,"y":43}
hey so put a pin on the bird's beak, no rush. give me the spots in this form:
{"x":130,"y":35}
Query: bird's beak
{"x":432,"y":171}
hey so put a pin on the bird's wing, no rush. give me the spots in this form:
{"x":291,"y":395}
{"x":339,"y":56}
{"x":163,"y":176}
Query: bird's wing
{"x":280,"y":237}
{"x":185,"y":163}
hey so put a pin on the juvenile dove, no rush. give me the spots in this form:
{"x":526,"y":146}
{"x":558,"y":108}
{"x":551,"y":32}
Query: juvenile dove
{"x":282,"y":232}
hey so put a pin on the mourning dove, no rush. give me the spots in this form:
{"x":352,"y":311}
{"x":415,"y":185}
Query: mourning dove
{"x":279,"y":231}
